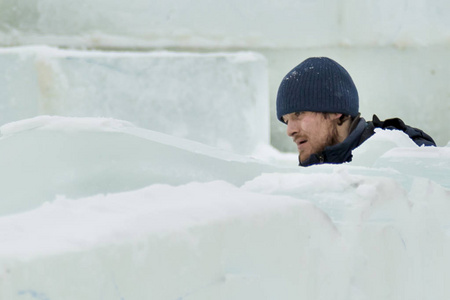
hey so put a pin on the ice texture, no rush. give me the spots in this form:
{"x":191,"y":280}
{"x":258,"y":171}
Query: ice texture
{"x":219,"y":99}
{"x":97,"y":208}
{"x":233,"y":23}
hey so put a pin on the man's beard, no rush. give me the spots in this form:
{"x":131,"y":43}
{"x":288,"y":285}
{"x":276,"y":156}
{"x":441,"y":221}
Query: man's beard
{"x":331,"y":140}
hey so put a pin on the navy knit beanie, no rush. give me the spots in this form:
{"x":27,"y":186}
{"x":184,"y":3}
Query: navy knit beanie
{"x":318,"y":84}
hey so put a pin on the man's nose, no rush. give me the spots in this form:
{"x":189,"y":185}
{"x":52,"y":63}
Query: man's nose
{"x":291,"y":129}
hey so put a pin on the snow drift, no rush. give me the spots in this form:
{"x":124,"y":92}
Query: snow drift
{"x":100,"y":209}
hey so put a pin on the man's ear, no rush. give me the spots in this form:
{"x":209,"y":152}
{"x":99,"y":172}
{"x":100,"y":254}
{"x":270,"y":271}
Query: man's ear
{"x":341,"y":119}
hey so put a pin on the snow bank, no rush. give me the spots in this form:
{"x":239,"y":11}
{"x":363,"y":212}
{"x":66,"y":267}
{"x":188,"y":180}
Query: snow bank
{"x":78,"y":157}
{"x":99,"y":209}
{"x":197,"y":241}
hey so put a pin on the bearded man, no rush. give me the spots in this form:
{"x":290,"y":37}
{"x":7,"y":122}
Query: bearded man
{"x":319,"y":103}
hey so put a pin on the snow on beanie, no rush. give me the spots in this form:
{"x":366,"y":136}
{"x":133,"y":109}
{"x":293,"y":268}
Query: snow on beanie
{"x":318,"y":84}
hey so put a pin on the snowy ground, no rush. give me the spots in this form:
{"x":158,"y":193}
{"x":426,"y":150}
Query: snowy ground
{"x":100,"y":209}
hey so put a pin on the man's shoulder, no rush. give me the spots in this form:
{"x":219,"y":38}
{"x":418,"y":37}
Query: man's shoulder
{"x":417,"y":135}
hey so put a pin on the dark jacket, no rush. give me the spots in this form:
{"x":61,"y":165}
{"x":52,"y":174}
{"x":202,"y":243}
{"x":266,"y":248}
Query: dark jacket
{"x":360,"y":132}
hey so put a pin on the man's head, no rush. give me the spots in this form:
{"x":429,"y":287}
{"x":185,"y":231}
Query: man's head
{"x":315,"y":99}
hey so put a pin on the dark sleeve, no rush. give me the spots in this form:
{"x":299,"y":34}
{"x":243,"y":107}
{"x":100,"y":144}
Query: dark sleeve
{"x":418,"y":136}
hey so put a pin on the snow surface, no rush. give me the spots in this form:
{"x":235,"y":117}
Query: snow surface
{"x":96,"y":208}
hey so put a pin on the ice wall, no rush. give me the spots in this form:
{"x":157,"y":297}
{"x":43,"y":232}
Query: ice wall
{"x":396,"y":52}
{"x":206,"y":24}
{"x":218,"y":99}
{"x":112,"y":211}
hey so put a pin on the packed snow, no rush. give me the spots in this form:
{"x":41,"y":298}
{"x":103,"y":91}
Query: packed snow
{"x":98,"y":208}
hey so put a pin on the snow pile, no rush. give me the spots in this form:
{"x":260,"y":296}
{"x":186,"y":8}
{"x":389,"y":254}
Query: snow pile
{"x":99,"y":209}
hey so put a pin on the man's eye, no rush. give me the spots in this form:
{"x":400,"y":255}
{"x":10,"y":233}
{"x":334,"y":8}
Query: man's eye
{"x":297,"y":114}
